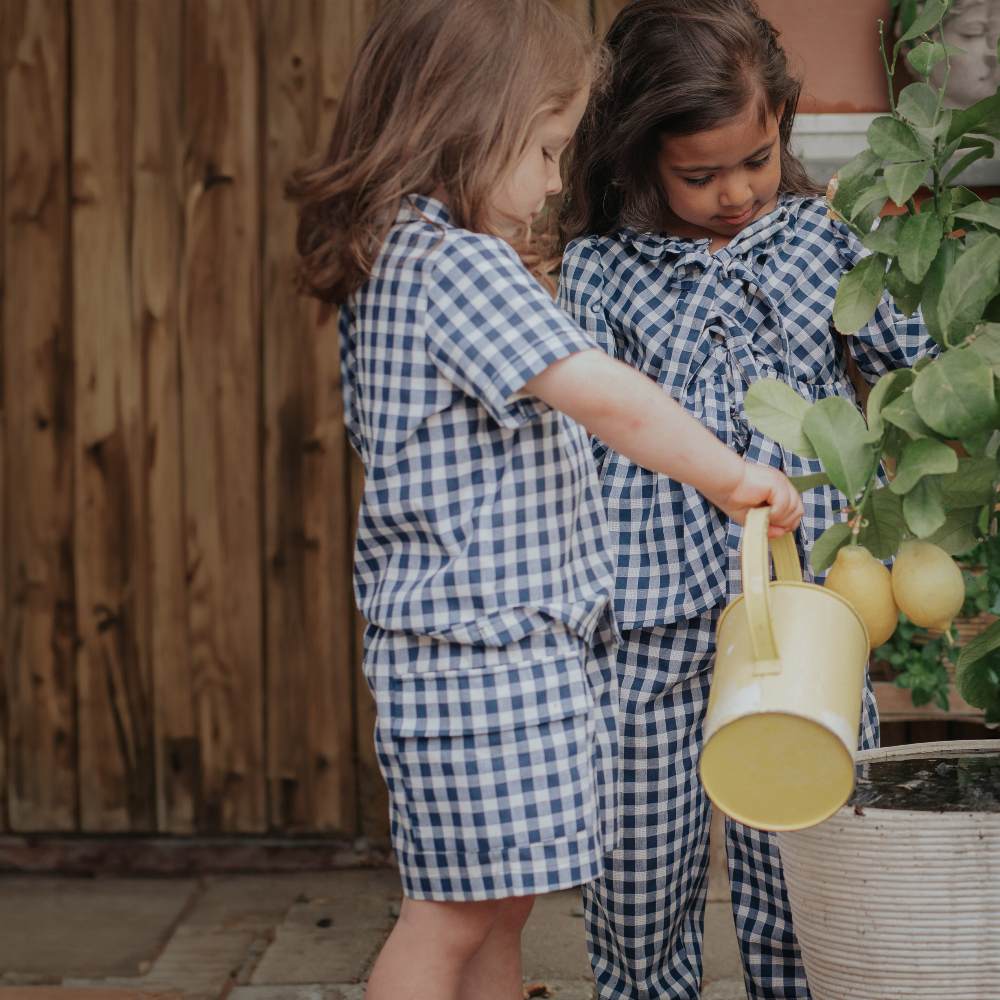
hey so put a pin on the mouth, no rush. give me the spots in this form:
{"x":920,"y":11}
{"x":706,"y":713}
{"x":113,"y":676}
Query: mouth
{"x":738,"y":220}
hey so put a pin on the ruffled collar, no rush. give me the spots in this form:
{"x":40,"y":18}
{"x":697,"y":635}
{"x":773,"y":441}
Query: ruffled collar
{"x":768,"y":231}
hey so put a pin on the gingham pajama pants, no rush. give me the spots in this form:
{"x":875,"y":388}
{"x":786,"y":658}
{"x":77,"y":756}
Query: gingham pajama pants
{"x":645,"y":915}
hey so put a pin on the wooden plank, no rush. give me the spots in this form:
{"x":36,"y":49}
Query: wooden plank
{"x":220,"y":372}
{"x":156,"y":254}
{"x":5,"y":62}
{"x":114,"y":710}
{"x":605,"y":11}
{"x":895,"y":704}
{"x":39,"y":640}
{"x":308,"y":598}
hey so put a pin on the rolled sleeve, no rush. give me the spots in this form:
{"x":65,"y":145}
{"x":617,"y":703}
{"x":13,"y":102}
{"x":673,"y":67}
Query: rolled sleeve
{"x":492,"y":327}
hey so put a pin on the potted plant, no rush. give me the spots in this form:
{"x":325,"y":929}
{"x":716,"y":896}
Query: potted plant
{"x":898,"y":895}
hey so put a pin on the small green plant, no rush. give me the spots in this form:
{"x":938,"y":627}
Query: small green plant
{"x":938,"y":424}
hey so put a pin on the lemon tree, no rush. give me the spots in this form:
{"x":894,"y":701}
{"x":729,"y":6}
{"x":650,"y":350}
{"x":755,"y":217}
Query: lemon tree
{"x":938,"y":424}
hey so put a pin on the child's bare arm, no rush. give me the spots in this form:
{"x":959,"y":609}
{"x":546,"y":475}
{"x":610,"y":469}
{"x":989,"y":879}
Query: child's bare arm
{"x":633,"y":415}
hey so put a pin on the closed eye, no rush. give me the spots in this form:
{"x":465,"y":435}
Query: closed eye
{"x":757,"y":164}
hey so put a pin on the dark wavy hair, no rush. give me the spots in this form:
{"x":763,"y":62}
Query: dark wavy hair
{"x":677,"y":67}
{"x":441,"y":100}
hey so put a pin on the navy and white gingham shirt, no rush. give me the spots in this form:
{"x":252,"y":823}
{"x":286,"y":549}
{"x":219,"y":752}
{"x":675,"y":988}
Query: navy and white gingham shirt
{"x":706,"y":326}
{"x":482,"y":521}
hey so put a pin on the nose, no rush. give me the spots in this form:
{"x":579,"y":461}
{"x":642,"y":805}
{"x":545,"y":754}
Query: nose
{"x":736,"y":192}
{"x":553,"y":183}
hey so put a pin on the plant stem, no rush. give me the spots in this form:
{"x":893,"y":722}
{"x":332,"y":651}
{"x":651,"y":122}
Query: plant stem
{"x":890,"y":72}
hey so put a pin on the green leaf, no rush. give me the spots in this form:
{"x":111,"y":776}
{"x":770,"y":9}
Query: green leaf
{"x":838,"y":433}
{"x":859,"y":294}
{"x":967,"y":287}
{"x":959,"y":532}
{"x":902,"y":413}
{"x":828,"y":545}
{"x":925,"y":56}
{"x":885,"y":237}
{"x":882,"y":525}
{"x":954,"y":395}
{"x":978,"y":682}
{"x":903,"y":179}
{"x":895,"y":141}
{"x":925,"y":457}
{"x":806,"y":483}
{"x":985,"y":213}
{"x":918,"y":245}
{"x":928,"y":19}
{"x":981,"y":151}
{"x":988,"y":641}
{"x":904,"y":292}
{"x":854,"y":177}
{"x":946,"y":256}
{"x":986,"y":345}
{"x":972,"y":485}
{"x":923,"y":508}
{"x":918,"y":104}
{"x":889,"y":387}
{"x":982,"y":118}
{"x":778,"y":411}
{"x":868,"y":206}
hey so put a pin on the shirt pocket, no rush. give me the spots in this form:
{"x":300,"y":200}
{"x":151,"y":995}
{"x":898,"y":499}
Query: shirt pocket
{"x":494,"y":760}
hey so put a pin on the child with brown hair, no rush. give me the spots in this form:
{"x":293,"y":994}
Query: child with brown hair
{"x":701,"y":255}
{"x":483,"y":561}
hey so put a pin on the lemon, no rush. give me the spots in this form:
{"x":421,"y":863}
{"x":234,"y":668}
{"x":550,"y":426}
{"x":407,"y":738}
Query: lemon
{"x":927,"y":585}
{"x":863,"y":581}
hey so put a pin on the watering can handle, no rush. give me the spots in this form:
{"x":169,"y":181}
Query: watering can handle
{"x":755,"y":569}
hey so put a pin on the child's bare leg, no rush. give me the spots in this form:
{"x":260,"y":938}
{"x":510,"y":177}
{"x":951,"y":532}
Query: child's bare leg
{"x":428,"y":950}
{"x":494,"y":972}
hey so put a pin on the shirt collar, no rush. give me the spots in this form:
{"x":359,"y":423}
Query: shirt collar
{"x":770,"y":229}
{"x":422,"y":207}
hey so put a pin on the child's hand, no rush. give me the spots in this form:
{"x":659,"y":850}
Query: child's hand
{"x":761,"y":486}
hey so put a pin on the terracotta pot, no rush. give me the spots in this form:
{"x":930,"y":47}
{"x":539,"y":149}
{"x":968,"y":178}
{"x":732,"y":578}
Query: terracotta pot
{"x":901,"y":902}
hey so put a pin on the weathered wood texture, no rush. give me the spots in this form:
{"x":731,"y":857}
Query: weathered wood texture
{"x":177,"y":632}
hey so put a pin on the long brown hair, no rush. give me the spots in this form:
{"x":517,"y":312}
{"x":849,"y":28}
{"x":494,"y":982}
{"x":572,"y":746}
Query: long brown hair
{"x":677,"y":67}
{"x":441,"y":100}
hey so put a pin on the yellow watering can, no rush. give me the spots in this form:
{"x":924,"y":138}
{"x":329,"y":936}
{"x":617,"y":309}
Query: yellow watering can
{"x":785,"y":705}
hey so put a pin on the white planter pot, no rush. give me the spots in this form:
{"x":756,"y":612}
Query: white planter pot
{"x":900,"y":903}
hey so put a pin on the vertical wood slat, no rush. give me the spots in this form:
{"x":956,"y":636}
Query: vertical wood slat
{"x":309,"y":649}
{"x":220,"y":359}
{"x":39,"y":639}
{"x":605,"y":11}
{"x":5,"y":62}
{"x":156,"y":252}
{"x":114,"y":714}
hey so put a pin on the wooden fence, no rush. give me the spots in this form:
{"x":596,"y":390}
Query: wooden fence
{"x":179,"y":648}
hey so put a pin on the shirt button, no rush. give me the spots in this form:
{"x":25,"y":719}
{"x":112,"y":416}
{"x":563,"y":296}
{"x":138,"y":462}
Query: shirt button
{"x":595,"y":307}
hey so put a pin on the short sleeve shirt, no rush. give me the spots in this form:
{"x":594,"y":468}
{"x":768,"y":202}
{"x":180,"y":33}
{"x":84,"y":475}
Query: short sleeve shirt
{"x":481,"y":520}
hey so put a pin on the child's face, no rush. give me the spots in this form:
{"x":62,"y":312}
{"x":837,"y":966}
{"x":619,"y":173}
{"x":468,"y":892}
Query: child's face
{"x":719,"y":181}
{"x":535,"y":176}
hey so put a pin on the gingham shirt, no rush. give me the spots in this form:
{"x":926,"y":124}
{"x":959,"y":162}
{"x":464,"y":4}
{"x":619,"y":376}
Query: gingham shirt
{"x":706,"y":326}
{"x":481,"y":521}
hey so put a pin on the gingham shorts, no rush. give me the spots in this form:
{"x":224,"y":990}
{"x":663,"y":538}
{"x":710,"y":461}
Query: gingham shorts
{"x":502,"y":774}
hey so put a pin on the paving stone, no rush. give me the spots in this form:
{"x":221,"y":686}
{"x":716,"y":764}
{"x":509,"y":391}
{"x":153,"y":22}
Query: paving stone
{"x":315,"y":991}
{"x":62,"y":993}
{"x":54,"y":928}
{"x":573,"y":990}
{"x":553,"y":942}
{"x":721,"y":950}
{"x":725,"y":989}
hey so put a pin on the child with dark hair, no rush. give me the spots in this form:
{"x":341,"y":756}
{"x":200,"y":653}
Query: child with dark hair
{"x":701,"y":255}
